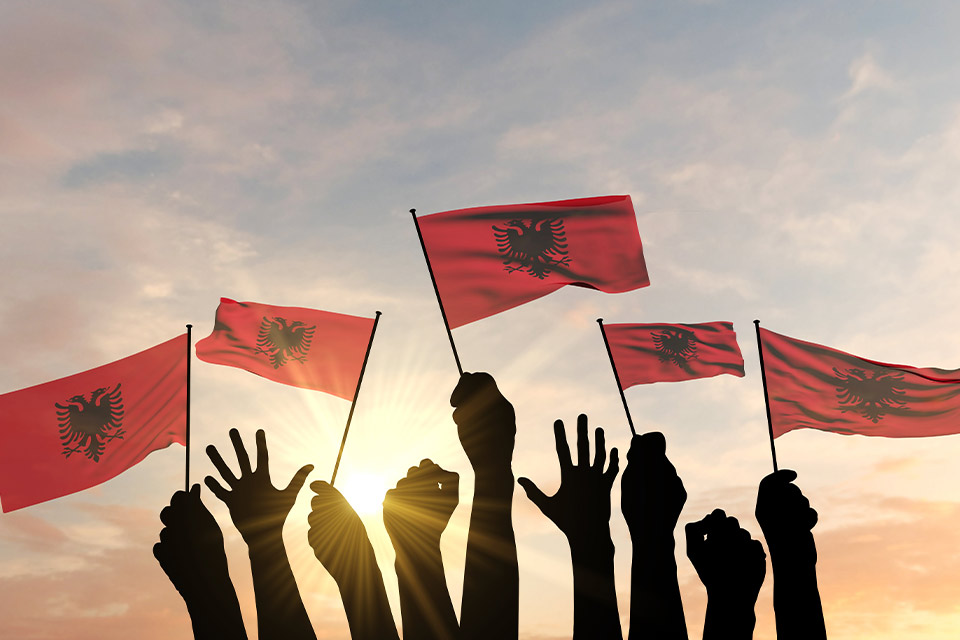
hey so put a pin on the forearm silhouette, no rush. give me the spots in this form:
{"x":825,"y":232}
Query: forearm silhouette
{"x":787,"y":521}
{"x":652,"y":496}
{"x":487,"y":427}
{"x":340,"y":542}
{"x":731,"y":566}
{"x":415,"y":515}
{"x":581,"y":510}
{"x":258,"y":510}
{"x":191,"y":553}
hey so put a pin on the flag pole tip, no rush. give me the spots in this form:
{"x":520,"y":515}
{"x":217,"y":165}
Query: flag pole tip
{"x":413,"y":211}
{"x":756,"y":322}
{"x":189,"y":326}
{"x":378,"y":314}
{"x":600,"y":320}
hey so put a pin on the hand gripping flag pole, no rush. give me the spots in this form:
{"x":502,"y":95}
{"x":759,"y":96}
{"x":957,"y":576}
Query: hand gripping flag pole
{"x":186,"y":481}
{"x":616,"y":376}
{"x":766,"y":395}
{"x":353,"y":404}
{"x":433,"y":279}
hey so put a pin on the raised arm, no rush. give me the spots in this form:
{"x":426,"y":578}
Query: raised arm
{"x":258,"y":510}
{"x":340,"y":543}
{"x":731,"y":565}
{"x":487,"y":427}
{"x":191,"y":553}
{"x":415,"y":515}
{"x":652,"y":497}
{"x":581,"y":510}
{"x":787,"y":521}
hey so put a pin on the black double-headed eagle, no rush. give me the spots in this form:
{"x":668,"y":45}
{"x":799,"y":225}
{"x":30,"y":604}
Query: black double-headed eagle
{"x":871,"y":393}
{"x":280,"y":341}
{"x":87,"y":425}
{"x":675,"y":345}
{"x":537,"y":246}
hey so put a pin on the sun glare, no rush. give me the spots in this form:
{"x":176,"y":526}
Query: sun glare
{"x":364,"y":492}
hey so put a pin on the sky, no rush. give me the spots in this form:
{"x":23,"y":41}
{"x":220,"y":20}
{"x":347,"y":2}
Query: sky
{"x":792,"y":162}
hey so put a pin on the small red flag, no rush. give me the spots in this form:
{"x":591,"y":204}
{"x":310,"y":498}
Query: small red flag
{"x":815,"y":387}
{"x":305,"y":348}
{"x":489,"y":259}
{"x":74,"y":433}
{"x":646,"y":353}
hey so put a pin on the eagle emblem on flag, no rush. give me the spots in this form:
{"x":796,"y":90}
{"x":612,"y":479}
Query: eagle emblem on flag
{"x":281,"y":342}
{"x":871,"y":393}
{"x":675,"y":345}
{"x":87,"y":425}
{"x":536,"y":246}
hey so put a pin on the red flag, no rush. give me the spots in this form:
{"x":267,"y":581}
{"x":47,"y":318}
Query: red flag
{"x":646,"y":353}
{"x":74,"y":433}
{"x":490,"y":259}
{"x":301,"y":347}
{"x":816,"y":387}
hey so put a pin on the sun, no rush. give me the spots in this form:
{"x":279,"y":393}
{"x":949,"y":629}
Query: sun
{"x":364,"y":492}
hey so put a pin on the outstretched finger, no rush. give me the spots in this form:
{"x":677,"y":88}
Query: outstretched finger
{"x":533,"y":492}
{"x":600,"y":450}
{"x":611,"y":473}
{"x":563,"y":449}
{"x":220,"y":465}
{"x":583,"y":442}
{"x":296,"y":482}
{"x":242,"y":456}
{"x":222,"y":494}
{"x":263,"y":457}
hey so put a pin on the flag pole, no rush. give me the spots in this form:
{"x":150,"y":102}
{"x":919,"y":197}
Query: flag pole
{"x":617,"y":377}
{"x":353,"y":404}
{"x":433,"y":279}
{"x":766,"y":396}
{"x":186,"y":480}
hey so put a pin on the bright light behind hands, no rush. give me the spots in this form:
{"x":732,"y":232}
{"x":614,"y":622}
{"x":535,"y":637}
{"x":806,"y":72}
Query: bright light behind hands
{"x":364,"y":492}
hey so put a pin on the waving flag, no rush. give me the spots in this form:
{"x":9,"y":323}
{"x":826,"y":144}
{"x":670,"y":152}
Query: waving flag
{"x":645,"y":353}
{"x":489,"y":259}
{"x":815,"y":387}
{"x":71,"y":434}
{"x":301,"y":347}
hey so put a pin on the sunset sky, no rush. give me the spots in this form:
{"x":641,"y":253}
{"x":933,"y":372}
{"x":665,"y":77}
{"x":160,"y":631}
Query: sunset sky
{"x":792,"y":162}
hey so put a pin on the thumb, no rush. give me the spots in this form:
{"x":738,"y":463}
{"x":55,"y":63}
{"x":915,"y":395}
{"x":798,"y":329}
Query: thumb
{"x":533,"y":492}
{"x":296,"y":483}
{"x":695,"y":533}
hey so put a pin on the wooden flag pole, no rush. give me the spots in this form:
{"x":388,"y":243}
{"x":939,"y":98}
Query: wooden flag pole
{"x":766,"y":395}
{"x":186,"y":481}
{"x":433,"y":279}
{"x":353,"y":405}
{"x":617,"y":377}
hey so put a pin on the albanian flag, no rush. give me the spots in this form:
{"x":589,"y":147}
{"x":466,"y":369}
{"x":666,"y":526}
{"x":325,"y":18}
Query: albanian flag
{"x":645,"y":353}
{"x":816,"y":387}
{"x":301,"y":347}
{"x":71,"y":434}
{"x":489,"y":259}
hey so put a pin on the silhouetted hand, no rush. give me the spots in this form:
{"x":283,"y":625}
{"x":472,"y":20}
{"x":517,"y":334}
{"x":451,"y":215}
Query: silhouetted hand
{"x":337,"y":536}
{"x":581,"y":506}
{"x":257,"y":508}
{"x":651,"y":498}
{"x":415,"y":515}
{"x":787,"y":521}
{"x":652,"y":494}
{"x":731,"y":564}
{"x":340,"y":542}
{"x":581,"y":509}
{"x":486,"y":422}
{"x":784,"y":513}
{"x":191,"y":553}
{"x":417,"y":511}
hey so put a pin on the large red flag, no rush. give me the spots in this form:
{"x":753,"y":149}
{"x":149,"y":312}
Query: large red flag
{"x":71,"y":434}
{"x":490,"y":259}
{"x":815,"y":387}
{"x":646,"y":353}
{"x":301,"y":347}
